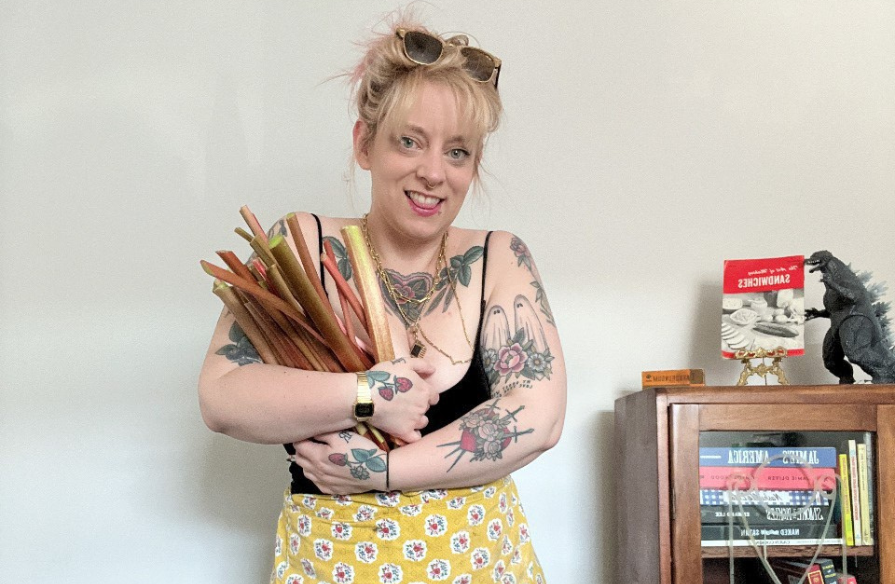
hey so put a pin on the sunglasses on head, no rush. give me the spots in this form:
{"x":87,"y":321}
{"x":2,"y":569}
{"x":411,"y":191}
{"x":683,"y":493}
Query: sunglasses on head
{"x":424,"y":49}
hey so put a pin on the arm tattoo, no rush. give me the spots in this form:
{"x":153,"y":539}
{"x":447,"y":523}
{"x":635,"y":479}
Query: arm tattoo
{"x":279,"y":228}
{"x":485,"y":434}
{"x":387,"y":384}
{"x":521,"y":351}
{"x":240,"y":350}
{"x":523,"y":257}
{"x":360,"y":461}
{"x":346,"y":435}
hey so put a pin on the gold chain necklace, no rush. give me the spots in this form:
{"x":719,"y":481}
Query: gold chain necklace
{"x":413,"y":325}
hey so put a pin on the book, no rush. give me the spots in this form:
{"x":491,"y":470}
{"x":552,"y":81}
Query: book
{"x":766,"y":514}
{"x":871,"y":474}
{"x":669,"y":377}
{"x":863,"y":476}
{"x":795,"y":531}
{"x":845,"y":578}
{"x":773,"y":456}
{"x":828,"y":569}
{"x":764,"y":497}
{"x":763,"y":305}
{"x":793,"y":572}
{"x":749,"y":477}
{"x":855,"y":491}
{"x":769,"y":541}
{"x":848,"y":532}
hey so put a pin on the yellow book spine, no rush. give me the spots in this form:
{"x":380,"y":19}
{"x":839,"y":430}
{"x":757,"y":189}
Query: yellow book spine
{"x":845,"y":502}
{"x":863,"y":474}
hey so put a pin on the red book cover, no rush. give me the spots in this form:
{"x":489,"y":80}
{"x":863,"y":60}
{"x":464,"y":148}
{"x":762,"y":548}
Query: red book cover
{"x":745,"y":478}
{"x":763,"y":306}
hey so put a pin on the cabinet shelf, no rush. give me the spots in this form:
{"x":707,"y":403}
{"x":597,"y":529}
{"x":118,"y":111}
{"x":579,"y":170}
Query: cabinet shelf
{"x":788,"y":551}
{"x":657,"y":435}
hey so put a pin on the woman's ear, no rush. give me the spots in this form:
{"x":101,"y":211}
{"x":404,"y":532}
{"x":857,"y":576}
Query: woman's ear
{"x":361,"y":145}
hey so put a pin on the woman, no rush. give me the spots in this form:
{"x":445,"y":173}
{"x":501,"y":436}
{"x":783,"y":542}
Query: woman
{"x":478,"y":387}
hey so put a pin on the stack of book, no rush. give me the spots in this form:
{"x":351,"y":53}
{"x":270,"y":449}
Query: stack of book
{"x":856,"y":493}
{"x":769,"y":495}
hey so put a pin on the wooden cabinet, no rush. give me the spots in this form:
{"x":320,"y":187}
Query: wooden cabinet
{"x":657,"y":435}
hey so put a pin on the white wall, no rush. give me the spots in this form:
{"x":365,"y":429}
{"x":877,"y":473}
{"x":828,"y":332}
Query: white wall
{"x":644,"y":143}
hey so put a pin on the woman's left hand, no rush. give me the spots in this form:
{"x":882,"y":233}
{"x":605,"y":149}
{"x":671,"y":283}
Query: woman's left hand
{"x":343,"y":463}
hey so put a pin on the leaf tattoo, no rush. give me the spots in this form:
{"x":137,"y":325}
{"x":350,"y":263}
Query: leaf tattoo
{"x":459,"y":269}
{"x":360,"y":461}
{"x":241,"y":351}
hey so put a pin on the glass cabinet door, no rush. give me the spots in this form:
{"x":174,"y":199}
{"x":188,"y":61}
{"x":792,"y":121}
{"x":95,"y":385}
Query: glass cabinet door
{"x":753,"y":491}
{"x":774,"y":505}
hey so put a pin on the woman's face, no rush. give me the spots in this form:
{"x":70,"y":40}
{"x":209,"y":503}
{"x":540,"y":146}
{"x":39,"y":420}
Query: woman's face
{"x":421,"y":170}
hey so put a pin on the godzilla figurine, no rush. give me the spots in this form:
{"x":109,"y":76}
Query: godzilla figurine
{"x":859,"y":332}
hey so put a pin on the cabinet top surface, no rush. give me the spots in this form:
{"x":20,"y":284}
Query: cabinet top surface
{"x":798,"y":394}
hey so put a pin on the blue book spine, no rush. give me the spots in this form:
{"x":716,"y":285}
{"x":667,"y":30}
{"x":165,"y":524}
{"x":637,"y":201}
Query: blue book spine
{"x":779,"y":456}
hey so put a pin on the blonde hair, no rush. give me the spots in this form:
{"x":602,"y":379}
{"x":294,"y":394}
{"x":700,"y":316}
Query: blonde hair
{"x":386,"y":83}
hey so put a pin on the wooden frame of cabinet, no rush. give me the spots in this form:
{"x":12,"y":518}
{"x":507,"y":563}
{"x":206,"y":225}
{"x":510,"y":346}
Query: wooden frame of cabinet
{"x":657,"y":480}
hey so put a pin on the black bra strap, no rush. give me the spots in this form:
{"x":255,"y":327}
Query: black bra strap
{"x":320,"y":250}
{"x":485,"y":267}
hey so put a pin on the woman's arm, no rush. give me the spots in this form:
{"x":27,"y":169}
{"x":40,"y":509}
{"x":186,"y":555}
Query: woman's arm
{"x":524,"y":418}
{"x":246,"y":399}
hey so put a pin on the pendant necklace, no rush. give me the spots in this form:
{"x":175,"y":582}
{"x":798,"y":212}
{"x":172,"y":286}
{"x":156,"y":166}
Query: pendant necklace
{"x":413,"y":324}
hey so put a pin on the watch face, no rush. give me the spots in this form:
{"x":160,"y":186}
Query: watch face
{"x":363,"y":410}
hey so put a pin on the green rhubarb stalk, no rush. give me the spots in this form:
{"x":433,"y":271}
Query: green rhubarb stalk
{"x":367,"y":282}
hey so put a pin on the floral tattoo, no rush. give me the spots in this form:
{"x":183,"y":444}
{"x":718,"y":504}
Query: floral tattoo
{"x":485,"y":434}
{"x":387,"y":384}
{"x":241,"y":351}
{"x":520,"y":351}
{"x":523,"y":257}
{"x":360,"y":461}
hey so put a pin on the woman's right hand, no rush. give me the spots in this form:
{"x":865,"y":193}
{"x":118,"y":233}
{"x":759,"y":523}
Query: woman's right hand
{"x":401,"y":397}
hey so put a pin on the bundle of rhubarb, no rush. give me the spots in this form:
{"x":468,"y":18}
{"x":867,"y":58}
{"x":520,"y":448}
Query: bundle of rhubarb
{"x":279,"y":302}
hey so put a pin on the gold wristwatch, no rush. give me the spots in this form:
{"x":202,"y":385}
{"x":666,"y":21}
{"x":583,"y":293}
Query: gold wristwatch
{"x":363,"y":407}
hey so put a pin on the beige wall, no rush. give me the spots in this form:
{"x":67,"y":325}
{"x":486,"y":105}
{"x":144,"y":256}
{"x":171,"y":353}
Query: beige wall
{"x":644,"y":143}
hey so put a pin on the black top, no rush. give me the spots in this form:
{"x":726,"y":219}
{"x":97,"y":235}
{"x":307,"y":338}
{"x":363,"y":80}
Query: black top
{"x":454,"y":402}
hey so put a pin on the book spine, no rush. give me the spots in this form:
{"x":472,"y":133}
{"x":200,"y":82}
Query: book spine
{"x":765,"y":514}
{"x":845,"y":501}
{"x":745,"y":478}
{"x":763,"y":497}
{"x":771,"y":542}
{"x":722,"y":532}
{"x":863,"y":475}
{"x":828,"y":569}
{"x":820,"y":457}
{"x":871,"y":479}
{"x":855,"y":491}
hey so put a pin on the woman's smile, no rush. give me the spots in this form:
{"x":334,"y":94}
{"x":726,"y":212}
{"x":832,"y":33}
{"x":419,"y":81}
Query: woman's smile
{"x":422,"y":204}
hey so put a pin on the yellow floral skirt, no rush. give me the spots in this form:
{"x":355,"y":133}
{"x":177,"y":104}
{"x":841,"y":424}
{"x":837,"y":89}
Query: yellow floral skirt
{"x":457,"y":536}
